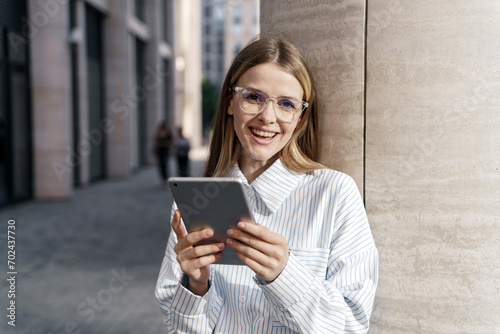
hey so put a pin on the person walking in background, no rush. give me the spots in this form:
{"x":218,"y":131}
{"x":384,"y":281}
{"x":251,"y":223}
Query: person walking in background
{"x":162,"y":141}
{"x":182,"y":153}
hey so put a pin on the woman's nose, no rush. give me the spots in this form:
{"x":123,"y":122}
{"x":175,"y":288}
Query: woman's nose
{"x":268,"y":113}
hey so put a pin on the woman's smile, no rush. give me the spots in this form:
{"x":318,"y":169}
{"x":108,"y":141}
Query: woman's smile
{"x":263,"y":134}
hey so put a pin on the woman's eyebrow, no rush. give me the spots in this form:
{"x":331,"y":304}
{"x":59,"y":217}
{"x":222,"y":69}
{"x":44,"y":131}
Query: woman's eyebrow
{"x":280,"y":97}
{"x":256,"y":89}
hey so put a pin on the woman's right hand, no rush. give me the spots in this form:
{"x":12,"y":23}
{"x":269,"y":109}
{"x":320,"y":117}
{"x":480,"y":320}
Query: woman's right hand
{"x":195,"y":260}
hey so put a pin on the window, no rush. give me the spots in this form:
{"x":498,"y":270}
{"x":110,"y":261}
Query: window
{"x":237,"y":20}
{"x":255,"y":20}
{"x":15,"y":110}
{"x":220,"y":47}
{"x":140,"y":10}
{"x":208,"y":12}
{"x":95,"y":86}
{"x":163,"y":15}
{"x":236,"y":48}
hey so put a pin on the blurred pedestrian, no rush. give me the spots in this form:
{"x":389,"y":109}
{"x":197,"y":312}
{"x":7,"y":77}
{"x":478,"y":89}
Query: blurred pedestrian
{"x":162,"y":141}
{"x":182,"y":153}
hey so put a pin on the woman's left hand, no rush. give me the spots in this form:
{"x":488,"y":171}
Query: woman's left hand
{"x":262,"y":250}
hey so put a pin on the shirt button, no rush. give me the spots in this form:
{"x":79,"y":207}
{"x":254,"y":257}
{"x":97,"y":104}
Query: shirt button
{"x":243,"y":299}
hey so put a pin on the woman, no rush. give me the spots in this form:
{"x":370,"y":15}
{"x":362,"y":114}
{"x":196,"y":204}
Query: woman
{"x":162,"y":141}
{"x":311,"y":263}
{"x":182,"y":148}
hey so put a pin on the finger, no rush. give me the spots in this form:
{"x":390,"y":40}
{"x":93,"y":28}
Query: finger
{"x":198,"y":236}
{"x":248,"y":251}
{"x":193,"y":238}
{"x":200,"y":262}
{"x":258,"y":231}
{"x":200,"y":251}
{"x":247,"y":239}
{"x":177,"y":226}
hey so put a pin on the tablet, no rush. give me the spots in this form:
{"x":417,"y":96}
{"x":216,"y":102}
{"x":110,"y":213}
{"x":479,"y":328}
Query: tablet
{"x":215,"y":202}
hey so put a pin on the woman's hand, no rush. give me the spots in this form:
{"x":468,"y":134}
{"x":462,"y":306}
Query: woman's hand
{"x":195,"y":260}
{"x":262,"y":250}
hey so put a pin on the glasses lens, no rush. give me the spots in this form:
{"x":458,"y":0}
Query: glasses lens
{"x":253,"y":101}
{"x":288,"y":108}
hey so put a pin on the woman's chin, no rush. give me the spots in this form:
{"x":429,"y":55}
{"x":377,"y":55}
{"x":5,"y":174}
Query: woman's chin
{"x":261,"y":157}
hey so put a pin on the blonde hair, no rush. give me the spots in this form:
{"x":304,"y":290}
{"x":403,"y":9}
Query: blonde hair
{"x":301,"y":152}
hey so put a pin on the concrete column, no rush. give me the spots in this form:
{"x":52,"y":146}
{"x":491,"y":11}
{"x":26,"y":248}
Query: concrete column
{"x":188,"y":63}
{"x":51,"y":85}
{"x":154,"y":79}
{"x":331,"y":36}
{"x":119,"y":100}
{"x":432,"y":164}
{"x":432,"y":175}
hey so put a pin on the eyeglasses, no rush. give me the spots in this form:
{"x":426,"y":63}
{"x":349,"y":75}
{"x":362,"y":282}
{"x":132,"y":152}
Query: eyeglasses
{"x":252,"y":101}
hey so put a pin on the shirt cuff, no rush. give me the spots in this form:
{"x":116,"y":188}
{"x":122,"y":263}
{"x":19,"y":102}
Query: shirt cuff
{"x":290,"y":286}
{"x":187,"y":303}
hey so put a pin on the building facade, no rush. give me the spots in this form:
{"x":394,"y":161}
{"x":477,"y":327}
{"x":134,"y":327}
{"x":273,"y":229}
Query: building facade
{"x":242,"y":23}
{"x":83,"y":86}
{"x":227,"y":26}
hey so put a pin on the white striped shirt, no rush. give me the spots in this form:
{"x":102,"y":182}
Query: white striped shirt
{"x":328,"y":284}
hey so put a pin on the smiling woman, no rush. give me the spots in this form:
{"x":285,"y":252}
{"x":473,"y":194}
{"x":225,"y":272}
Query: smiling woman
{"x":310,"y":262}
{"x":301,"y":152}
{"x":262,"y":135}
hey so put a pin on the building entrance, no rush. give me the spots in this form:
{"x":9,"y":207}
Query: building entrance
{"x":16,"y":181}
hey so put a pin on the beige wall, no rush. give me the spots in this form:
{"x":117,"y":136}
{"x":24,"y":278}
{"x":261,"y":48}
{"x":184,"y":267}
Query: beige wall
{"x":431,"y":149}
{"x":331,"y":37}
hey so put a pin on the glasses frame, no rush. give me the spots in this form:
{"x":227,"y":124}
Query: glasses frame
{"x":239,"y":90}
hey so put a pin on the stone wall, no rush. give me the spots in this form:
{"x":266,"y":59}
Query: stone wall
{"x":410,"y":108}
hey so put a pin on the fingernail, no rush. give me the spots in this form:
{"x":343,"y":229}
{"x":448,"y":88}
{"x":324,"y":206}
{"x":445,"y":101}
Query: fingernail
{"x":221,"y":246}
{"x":230,"y":232}
{"x":209,"y":233}
{"x":229,"y":241}
{"x":241,"y":225}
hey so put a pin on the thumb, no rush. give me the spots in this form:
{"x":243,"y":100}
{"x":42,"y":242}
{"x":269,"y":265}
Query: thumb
{"x":177,"y":226}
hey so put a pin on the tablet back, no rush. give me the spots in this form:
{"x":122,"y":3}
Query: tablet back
{"x":218,"y":203}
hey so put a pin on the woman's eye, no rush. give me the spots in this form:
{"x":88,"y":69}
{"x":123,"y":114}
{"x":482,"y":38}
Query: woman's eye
{"x":287,"y":104}
{"x":254,"y":97}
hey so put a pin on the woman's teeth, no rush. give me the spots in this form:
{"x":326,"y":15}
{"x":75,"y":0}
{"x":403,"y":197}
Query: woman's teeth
{"x":263,"y":133}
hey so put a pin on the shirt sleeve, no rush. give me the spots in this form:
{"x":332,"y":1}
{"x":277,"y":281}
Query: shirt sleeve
{"x":342,"y":301}
{"x":183,"y":311}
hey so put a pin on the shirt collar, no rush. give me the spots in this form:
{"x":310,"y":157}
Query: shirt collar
{"x":273,"y":186}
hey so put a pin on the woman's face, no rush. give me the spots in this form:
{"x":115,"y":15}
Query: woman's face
{"x":262,"y":136}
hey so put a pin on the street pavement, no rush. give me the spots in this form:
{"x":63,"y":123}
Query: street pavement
{"x":89,"y":264}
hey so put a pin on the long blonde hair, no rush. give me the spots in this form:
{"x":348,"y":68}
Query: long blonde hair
{"x":301,"y":152}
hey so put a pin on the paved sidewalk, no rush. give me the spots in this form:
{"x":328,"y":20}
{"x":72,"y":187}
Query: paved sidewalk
{"x":89,"y":264}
